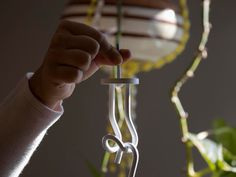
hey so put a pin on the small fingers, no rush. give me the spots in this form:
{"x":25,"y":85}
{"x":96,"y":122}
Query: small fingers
{"x":77,"y":51}
{"x":68,"y":65}
{"x":99,"y":61}
{"x":106,"y":49}
{"x":75,"y":58}
{"x":125,"y":54}
{"x":82,"y":42}
{"x":67,"y":74}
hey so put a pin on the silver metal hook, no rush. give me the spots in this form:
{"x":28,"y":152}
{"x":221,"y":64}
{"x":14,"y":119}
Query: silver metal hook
{"x":128,"y":116}
{"x":112,"y":118}
{"x":135,"y":161}
{"x":113,"y":83}
{"x":124,"y":147}
{"x":131,"y":147}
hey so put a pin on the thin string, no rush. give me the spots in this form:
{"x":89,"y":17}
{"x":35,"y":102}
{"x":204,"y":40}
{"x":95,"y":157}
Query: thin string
{"x":118,"y":34}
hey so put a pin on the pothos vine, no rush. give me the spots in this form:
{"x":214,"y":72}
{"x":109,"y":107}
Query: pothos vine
{"x":183,"y":115}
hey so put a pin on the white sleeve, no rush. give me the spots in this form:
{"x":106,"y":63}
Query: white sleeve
{"x":23,"y":123}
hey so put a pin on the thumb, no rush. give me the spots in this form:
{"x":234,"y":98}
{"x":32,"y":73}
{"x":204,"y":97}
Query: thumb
{"x":100,"y":61}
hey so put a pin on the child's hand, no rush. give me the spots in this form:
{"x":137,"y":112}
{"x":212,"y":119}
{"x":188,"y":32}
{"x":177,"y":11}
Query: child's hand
{"x":76,"y":52}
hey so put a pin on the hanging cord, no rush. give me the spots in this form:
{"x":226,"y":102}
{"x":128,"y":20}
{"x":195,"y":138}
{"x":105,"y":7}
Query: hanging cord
{"x":118,"y":34}
{"x":183,"y":115}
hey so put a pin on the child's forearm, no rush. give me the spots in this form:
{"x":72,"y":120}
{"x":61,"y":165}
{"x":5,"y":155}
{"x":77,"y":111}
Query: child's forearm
{"x":23,"y":123}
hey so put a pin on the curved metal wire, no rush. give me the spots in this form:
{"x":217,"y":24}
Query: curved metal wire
{"x":112,"y":118}
{"x":128,"y":119}
{"x":128,"y":116}
{"x":124,"y":147}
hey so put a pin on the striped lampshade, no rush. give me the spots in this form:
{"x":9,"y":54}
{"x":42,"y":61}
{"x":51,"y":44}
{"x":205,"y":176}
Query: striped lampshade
{"x":151,"y":29}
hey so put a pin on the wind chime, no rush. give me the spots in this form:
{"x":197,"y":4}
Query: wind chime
{"x":156,"y":32}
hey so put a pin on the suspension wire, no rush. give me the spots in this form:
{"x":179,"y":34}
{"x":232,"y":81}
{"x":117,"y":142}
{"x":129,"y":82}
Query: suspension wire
{"x":118,"y":34}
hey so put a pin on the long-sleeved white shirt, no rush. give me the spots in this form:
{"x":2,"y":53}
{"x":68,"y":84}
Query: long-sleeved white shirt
{"x":23,"y":123}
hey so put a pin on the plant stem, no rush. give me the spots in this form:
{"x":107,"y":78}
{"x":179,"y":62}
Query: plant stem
{"x":202,"y":53}
{"x":203,"y":172}
{"x":105,"y":161}
{"x":215,"y":174}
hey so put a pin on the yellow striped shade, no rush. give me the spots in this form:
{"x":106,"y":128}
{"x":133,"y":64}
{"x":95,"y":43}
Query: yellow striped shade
{"x":151,"y":33}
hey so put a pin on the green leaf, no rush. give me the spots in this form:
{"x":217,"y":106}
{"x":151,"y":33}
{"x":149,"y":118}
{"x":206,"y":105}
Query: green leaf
{"x":229,"y":157}
{"x":222,"y":164}
{"x":219,"y":123}
{"x":213,"y":153}
{"x":229,"y":174}
{"x":225,"y":135}
{"x":93,"y":170}
{"x":208,"y":149}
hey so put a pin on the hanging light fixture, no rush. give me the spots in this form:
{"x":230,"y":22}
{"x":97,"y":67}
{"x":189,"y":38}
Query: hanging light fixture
{"x":155,"y":31}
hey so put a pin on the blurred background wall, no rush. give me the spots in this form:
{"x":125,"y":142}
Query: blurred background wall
{"x":26,"y":28}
